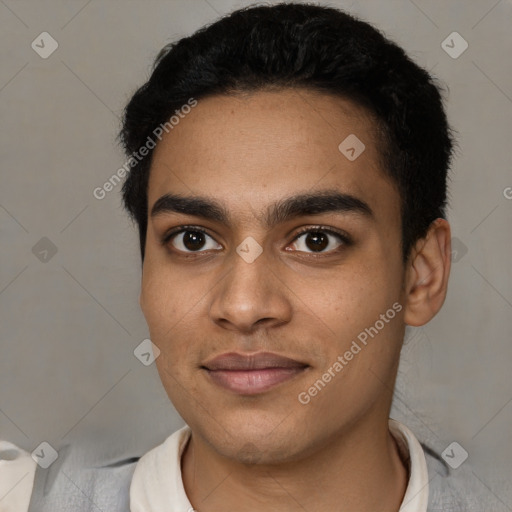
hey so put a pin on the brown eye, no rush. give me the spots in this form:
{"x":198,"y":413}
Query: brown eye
{"x":318,"y":240}
{"x":191,"y":240}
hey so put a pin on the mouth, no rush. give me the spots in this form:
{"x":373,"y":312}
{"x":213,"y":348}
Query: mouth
{"x":252,"y":374}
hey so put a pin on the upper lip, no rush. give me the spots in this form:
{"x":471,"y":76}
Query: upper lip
{"x":258,"y":361}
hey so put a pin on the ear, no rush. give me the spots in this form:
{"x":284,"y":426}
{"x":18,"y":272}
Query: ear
{"x":427,"y":274}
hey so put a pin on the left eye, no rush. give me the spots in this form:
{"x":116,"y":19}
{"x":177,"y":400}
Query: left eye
{"x":317,"y":240}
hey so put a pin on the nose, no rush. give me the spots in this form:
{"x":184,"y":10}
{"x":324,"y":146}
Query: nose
{"x":250,"y":295}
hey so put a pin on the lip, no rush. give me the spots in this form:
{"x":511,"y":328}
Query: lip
{"x":251,"y":374}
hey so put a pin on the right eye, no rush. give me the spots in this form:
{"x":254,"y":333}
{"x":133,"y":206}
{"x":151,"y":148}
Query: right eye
{"x":190,"y":239}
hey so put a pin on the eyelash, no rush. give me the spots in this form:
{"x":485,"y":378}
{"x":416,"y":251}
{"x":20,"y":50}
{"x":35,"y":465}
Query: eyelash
{"x":343,"y":237}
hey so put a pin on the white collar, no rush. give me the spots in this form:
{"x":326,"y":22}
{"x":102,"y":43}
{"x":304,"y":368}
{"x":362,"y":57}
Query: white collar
{"x":157,"y":484}
{"x":416,"y":494}
{"x":17,"y":471}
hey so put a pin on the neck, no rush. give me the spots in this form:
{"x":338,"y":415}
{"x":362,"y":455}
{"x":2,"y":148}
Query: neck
{"x":357,"y":469}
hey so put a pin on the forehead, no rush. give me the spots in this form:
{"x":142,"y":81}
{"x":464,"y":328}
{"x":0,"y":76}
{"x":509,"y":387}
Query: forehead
{"x":249,"y":150}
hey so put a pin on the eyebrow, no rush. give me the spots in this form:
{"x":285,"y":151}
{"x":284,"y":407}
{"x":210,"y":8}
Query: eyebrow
{"x":324,"y":201}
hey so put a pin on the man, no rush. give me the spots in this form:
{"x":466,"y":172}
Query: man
{"x":288,"y":180}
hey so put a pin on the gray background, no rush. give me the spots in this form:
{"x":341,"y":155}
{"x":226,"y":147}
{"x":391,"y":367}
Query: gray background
{"x":69,"y":325}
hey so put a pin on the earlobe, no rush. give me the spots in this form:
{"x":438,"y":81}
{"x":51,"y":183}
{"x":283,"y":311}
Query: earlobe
{"x":427,"y":274}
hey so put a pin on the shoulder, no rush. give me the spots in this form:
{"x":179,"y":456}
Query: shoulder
{"x":82,"y":481}
{"x":454,"y":490}
{"x":70,"y":484}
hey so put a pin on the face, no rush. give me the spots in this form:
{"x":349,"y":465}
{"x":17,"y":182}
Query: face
{"x":254,"y":299}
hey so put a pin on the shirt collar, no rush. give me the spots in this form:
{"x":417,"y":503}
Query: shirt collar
{"x":157,"y":481}
{"x":411,"y":452}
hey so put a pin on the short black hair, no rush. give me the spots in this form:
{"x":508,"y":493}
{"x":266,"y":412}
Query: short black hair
{"x":304,"y":46}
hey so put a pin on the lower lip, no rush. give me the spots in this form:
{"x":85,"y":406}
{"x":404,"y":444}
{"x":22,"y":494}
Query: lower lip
{"x":252,"y":382}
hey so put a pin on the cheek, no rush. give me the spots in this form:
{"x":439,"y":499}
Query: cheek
{"x":163,"y":297}
{"x":358,"y":293}
{"x":172,"y":305}
{"x":351,"y":304}
{"x":164,"y":312}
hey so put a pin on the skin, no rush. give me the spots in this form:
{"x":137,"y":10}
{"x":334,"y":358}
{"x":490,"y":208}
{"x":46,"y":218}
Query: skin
{"x":250,"y":453}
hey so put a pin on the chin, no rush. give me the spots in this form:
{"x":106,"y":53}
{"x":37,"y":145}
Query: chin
{"x":258,"y":451}
{"x":253,"y":439}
